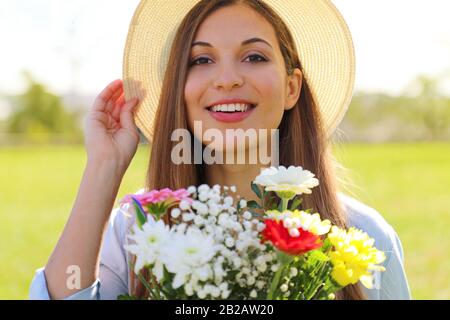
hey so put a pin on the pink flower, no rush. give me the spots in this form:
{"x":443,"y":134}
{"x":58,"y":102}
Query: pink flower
{"x":158,"y":196}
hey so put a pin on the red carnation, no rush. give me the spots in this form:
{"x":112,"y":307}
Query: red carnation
{"x":279,"y":236}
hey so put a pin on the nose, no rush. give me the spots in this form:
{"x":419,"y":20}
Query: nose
{"x":228,"y":78}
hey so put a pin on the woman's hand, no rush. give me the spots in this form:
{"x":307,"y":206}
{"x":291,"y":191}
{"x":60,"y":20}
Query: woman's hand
{"x":110,"y":130}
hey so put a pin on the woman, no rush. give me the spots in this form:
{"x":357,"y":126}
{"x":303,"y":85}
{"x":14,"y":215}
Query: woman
{"x":225,"y":52}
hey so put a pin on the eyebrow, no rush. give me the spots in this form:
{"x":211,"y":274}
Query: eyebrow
{"x":244,"y":43}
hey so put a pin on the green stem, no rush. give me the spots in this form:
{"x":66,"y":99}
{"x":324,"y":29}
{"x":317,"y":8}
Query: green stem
{"x":274,"y":284}
{"x":155,"y":285}
{"x":317,"y":284}
{"x":284,"y":204}
{"x":146,"y":285}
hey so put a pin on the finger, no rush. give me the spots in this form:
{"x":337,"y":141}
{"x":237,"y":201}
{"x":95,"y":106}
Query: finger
{"x":104,"y":96}
{"x":127,"y":115}
{"x":110,"y":105}
{"x":120,"y":102}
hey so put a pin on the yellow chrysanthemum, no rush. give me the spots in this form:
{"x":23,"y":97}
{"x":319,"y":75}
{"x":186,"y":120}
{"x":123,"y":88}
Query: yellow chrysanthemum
{"x":301,"y":219}
{"x":354,"y":256}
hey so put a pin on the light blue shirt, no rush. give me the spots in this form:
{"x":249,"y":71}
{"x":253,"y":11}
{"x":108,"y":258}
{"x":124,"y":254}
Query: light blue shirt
{"x":114,"y":272}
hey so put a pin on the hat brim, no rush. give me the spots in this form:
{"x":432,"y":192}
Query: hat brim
{"x":321,"y":35}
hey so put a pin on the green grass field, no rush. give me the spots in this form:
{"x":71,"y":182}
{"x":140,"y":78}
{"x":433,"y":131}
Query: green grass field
{"x":407,"y":183}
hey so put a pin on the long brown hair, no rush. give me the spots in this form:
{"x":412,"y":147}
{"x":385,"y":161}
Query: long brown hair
{"x":303,"y":141}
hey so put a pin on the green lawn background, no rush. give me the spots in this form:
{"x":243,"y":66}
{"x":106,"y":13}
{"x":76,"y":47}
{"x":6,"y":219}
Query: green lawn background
{"x":407,"y":183}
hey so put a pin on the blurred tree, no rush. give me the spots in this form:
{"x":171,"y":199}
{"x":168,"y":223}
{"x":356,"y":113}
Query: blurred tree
{"x":422,"y":113}
{"x":432,"y":107}
{"x":39,"y":115}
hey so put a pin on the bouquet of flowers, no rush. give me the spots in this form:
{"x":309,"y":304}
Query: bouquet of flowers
{"x":222,"y":247}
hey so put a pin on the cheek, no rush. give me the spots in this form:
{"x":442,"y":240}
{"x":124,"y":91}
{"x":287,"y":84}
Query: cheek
{"x":192,"y":94}
{"x":271,"y":91}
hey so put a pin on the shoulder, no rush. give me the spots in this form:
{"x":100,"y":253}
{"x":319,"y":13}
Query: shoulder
{"x":369,"y":220}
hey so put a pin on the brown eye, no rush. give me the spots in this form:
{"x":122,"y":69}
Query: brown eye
{"x":254,"y":58}
{"x":257,"y":56}
{"x":198,"y":61}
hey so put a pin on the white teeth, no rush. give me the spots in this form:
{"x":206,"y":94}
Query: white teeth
{"x":237,"y":107}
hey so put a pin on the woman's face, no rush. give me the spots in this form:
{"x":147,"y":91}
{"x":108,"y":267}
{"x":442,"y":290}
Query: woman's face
{"x":226,"y":64}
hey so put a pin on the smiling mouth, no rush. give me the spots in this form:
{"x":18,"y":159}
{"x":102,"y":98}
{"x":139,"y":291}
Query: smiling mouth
{"x":230,"y":113}
{"x":231,"y":108}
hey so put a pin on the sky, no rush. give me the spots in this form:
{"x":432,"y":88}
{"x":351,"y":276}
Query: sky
{"x":77,"y":46}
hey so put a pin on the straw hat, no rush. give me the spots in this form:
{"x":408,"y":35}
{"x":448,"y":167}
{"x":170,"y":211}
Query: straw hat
{"x":322,"y":38}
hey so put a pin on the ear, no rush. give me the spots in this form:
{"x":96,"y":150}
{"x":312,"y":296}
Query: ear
{"x":293,"y":88}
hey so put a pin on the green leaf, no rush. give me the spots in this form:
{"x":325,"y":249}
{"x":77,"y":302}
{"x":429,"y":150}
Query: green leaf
{"x":280,"y":206}
{"x":273,"y":205}
{"x":327,"y":245}
{"x":256,"y":190}
{"x":253,"y":204}
{"x":141,"y":218}
{"x":284,"y":258}
{"x":295,"y":203}
{"x":318,"y":255}
{"x":256,"y":214}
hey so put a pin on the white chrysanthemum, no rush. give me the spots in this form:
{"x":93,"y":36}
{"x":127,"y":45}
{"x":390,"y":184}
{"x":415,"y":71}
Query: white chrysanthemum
{"x":190,"y":254}
{"x":188,"y":289}
{"x":291,"y":180}
{"x":149,"y":243}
